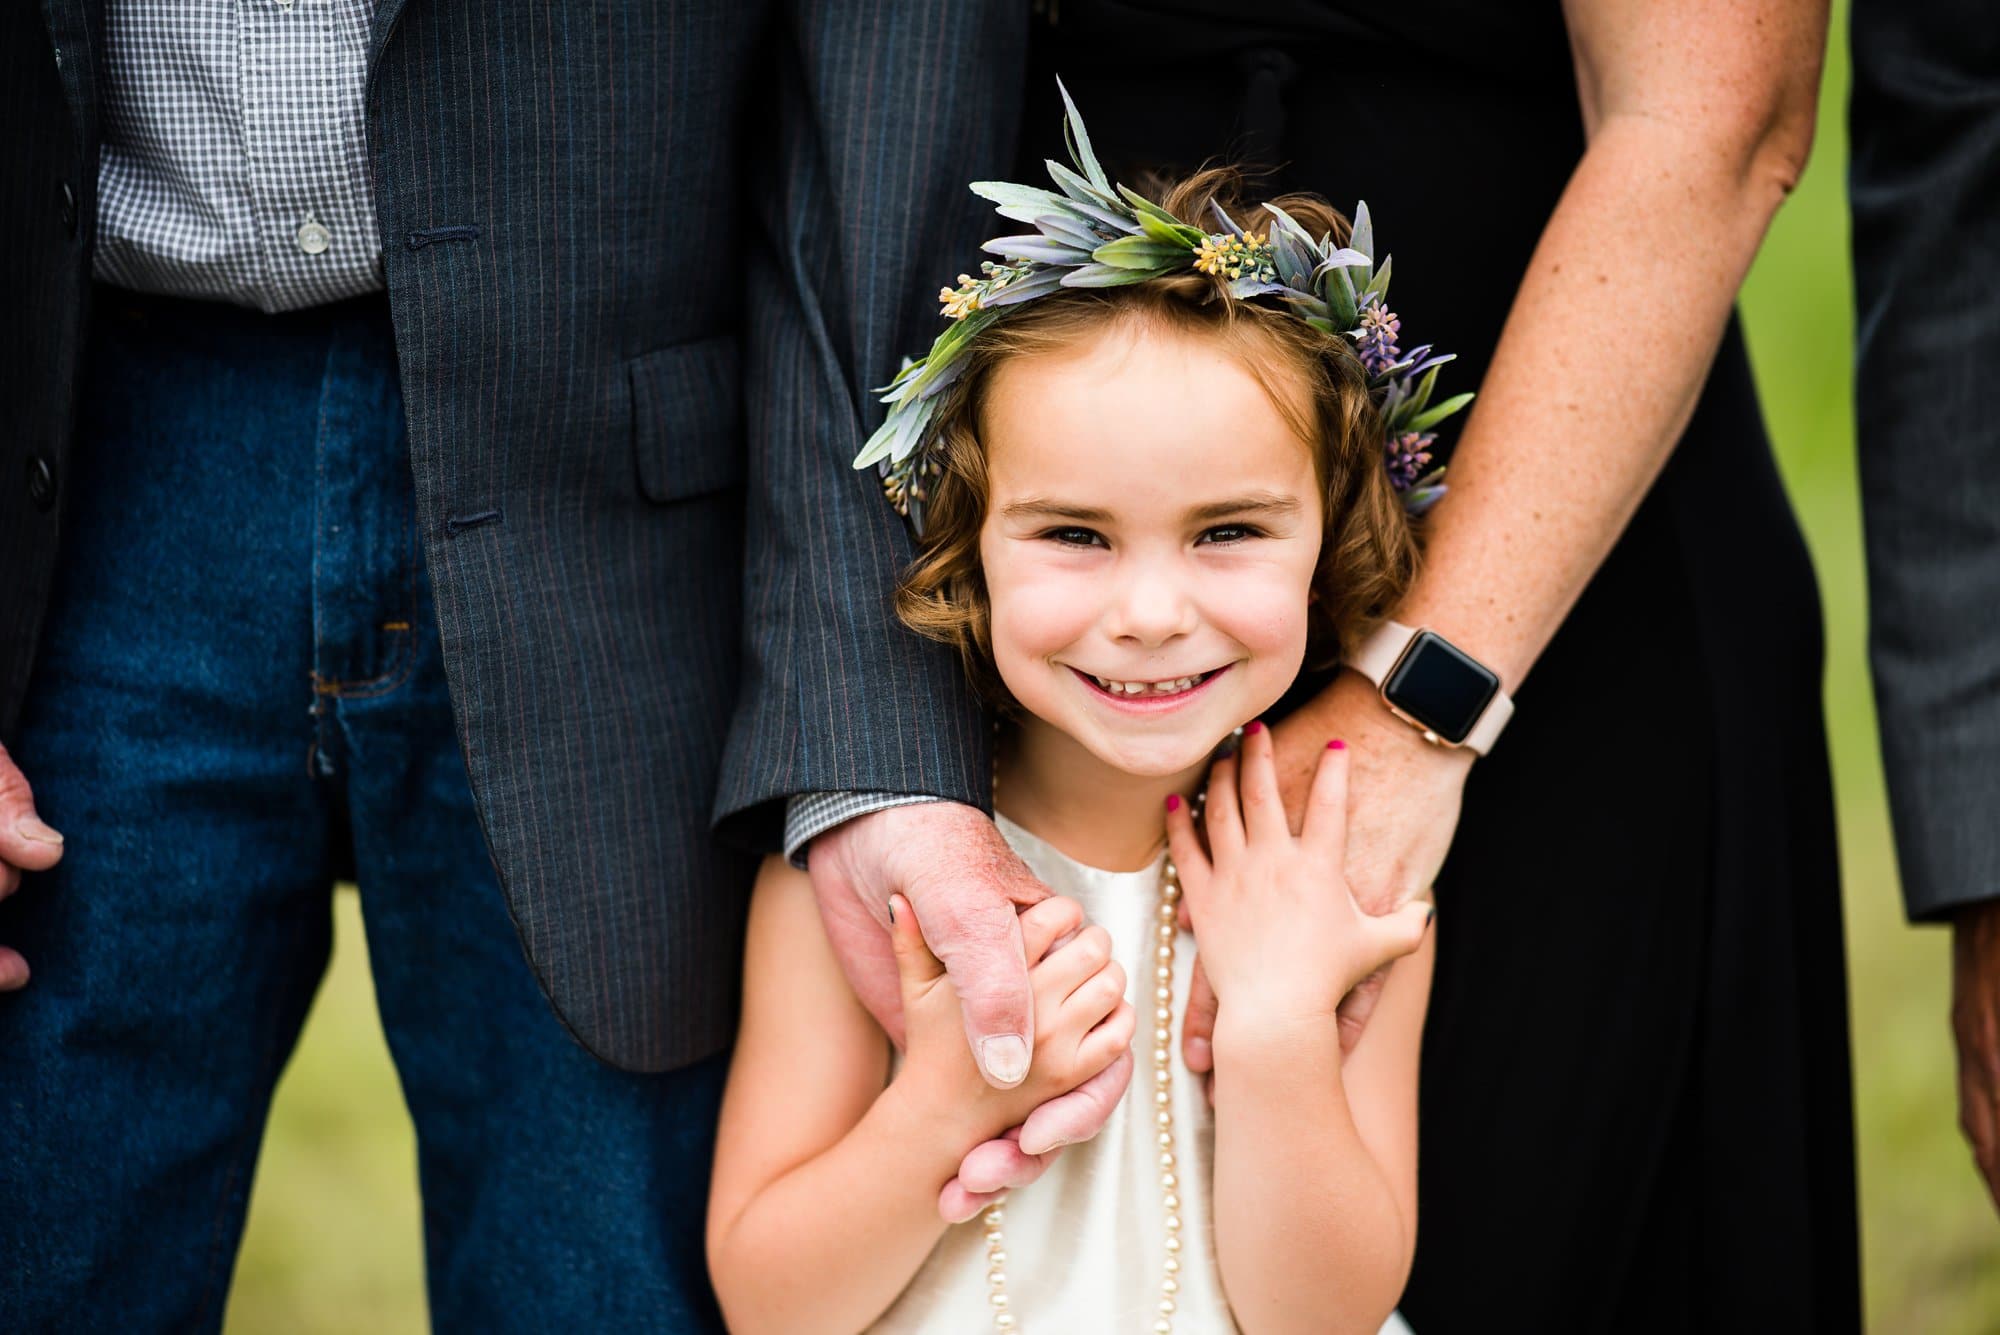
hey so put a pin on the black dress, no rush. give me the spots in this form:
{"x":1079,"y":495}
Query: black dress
{"x":1635,"y":1109}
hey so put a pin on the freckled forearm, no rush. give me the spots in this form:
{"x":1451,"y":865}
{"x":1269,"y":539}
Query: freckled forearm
{"x":1308,"y":1234}
{"x":1591,"y":386}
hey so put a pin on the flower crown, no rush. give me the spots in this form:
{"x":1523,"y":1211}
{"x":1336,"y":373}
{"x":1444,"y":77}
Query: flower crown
{"x":1096,"y":234}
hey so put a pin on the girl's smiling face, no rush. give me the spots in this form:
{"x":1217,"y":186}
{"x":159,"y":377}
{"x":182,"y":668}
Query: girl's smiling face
{"x":1152,"y":527}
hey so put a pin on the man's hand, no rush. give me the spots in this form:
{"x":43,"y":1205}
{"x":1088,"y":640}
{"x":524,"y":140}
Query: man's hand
{"x":26,"y":844}
{"x":968,"y":889}
{"x":1404,"y":812}
{"x":1975,"y":1023}
{"x":1083,"y":1021}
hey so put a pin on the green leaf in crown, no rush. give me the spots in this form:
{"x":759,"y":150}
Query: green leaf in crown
{"x":1088,"y":232}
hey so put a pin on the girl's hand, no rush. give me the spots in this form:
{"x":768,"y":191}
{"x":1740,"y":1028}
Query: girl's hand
{"x":1083,"y":1023}
{"x":1277,"y":927}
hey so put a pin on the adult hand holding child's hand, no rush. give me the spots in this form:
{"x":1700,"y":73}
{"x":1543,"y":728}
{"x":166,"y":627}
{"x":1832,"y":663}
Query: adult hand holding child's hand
{"x":1260,"y":896}
{"x":1083,"y":1021}
{"x":968,"y":888}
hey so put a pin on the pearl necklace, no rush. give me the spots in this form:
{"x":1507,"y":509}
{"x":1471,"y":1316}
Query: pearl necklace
{"x":1166,"y":927}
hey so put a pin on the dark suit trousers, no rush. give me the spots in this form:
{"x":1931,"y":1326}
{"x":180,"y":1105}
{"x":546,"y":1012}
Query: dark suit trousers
{"x":240,"y":701}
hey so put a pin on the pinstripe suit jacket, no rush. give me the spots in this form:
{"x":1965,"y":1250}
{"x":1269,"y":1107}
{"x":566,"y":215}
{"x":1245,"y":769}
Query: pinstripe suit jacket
{"x":1925,"y":186}
{"x":704,"y":229}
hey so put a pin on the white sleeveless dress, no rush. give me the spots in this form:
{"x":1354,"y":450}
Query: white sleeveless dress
{"x":1085,"y":1242}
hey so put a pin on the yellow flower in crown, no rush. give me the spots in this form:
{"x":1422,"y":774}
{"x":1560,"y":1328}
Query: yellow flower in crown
{"x":971,"y":294}
{"x":960,"y":301}
{"x":1233,"y":255}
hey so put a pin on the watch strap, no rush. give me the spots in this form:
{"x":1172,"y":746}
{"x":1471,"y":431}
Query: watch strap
{"x":1377,"y":657}
{"x":1379,"y":652}
{"x":1487,"y":731}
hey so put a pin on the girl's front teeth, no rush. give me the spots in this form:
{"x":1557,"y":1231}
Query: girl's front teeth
{"x":1172,"y":687}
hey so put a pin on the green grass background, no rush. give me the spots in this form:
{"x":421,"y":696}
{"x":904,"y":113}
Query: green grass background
{"x":335,"y":1234}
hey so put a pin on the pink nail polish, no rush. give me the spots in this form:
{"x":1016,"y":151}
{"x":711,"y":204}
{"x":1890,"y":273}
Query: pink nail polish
{"x":1254,"y":727}
{"x":1336,"y":745}
{"x":1173,"y":801}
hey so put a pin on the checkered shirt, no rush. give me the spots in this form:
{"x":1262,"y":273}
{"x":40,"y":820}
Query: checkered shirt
{"x":230,"y":129}
{"x":809,"y":815}
{"x":235,"y":161}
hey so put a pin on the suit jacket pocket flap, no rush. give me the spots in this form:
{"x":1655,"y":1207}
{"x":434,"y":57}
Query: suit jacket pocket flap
{"x":687,"y":419}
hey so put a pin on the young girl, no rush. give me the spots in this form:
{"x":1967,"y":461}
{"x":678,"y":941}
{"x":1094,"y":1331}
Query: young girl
{"x":1143,"y":506}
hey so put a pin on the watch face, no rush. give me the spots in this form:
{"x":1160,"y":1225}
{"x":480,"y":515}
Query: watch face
{"x":1440,"y":687}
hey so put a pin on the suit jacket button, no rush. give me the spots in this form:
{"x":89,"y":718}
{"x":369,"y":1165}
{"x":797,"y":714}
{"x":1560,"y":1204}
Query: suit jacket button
{"x":41,"y":483}
{"x":68,"y":209}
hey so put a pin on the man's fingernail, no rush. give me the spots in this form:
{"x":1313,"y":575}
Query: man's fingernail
{"x":1336,"y":745}
{"x":33,"y":827}
{"x":1005,"y":1058}
{"x":1254,"y":727}
{"x":1198,"y":1049}
{"x":1173,"y":801}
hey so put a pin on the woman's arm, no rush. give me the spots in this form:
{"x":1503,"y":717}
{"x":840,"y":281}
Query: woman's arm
{"x":823,"y":1203}
{"x":1700,"y":119}
{"x":1316,"y":1163}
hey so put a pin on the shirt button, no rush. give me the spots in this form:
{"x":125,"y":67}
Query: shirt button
{"x":312,"y":237}
{"x":41,"y":483}
{"x":67,"y":206}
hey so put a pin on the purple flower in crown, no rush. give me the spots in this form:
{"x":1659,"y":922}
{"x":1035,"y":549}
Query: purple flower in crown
{"x":1376,"y":341}
{"x":1407,"y":456}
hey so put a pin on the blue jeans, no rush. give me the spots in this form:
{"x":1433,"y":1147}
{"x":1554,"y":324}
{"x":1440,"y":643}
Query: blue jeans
{"x":239,"y":700}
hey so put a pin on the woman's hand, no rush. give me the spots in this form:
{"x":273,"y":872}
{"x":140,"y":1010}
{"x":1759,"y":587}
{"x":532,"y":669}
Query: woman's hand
{"x":1083,"y":1022}
{"x":1279,"y":932}
{"x":1405,"y":791}
{"x":1406,"y":795}
{"x":1404,"y":806}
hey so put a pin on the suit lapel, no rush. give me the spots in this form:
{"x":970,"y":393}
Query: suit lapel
{"x":74,"y":29}
{"x":387,"y":12}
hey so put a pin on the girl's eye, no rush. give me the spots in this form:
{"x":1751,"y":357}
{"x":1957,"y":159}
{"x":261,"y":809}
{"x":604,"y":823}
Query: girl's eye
{"x":1230,"y":533}
{"x":1074,"y":537}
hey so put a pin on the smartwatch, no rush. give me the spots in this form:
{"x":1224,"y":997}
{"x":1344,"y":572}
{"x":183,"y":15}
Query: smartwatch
{"x":1435,"y":686}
